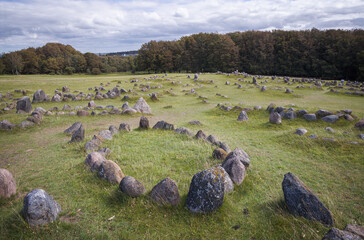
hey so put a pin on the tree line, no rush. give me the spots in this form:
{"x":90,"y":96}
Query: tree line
{"x":328,"y":54}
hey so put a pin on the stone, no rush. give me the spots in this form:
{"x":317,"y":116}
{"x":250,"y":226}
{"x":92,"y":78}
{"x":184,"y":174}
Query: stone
{"x":144,"y":123}
{"x":310,"y":117}
{"x":39,"y":208}
{"x":301,"y":131}
{"x":36,"y":117}
{"x":290,"y":115}
{"x":241,"y":155}
{"x":124,"y":127}
{"x":163,"y":125}
{"x":56,"y":98}
{"x":183,"y":130}
{"x":39,"y":96}
{"x":323,"y":113}
{"x":195,"y":122}
{"x":361,"y":136}
{"x":129,"y":111}
{"x":330,"y":118}
{"x":132,"y":187}
{"x":66,"y":107}
{"x":91,"y":104}
{"x":24,"y":104}
{"x":223,"y":145}
{"x":212,"y":139}
{"x":94,"y":144}
{"x":219,"y":154}
{"x":355,"y":229}
{"x":257,"y":107}
{"x":113,"y":129}
{"x":207,"y":190}
{"x":271,"y":107}
{"x":82,"y":113}
{"x":301,"y":201}
{"x":243,"y":116}
{"x":110,"y":171}
{"x":313,"y":136}
{"x":7,"y":183}
{"x":200,"y":135}
{"x":228,"y":184}
{"x":329,"y":139}
{"x":73,"y":128}
{"x":65,"y":89}
{"x":360,"y":124}
{"x":94,"y":160}
{"x":336,"y":234}
{"x":275,"y":118}
{"x":329,"y":129}
{"x":40,"y":109}
{"x":302,"y":112}
{"x":166,"y":192}
{"x":79,"y":134}
{"x":105,"y":134}
{"x":104,"y":151}
{"x":125,"y":106}
{"x":142,"y":106}
{"x":348,"y":117}
{"x":347,"y":111}
{"x":263,"y":89}
{"x":6,"y":125}
{"x":25,"y":124}
{"x":235,"y":168}
{"x":288,"y":91}
{"x":154,"y":97}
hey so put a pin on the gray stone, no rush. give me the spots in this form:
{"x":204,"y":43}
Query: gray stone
{"x":183,"y":130}
{"x":219,"y":154}
{"x":56,"y":98}
{"x":66,"y":107}
{"x":73,"y":128}
{"x":301,"y":131}
{"x":329,"y":129}
{"x":207,"y":190}
{"x":271,"y":107}
{"x":313,"y":136}
{"x":94,"y":160}
{"x":40,"y":109}
{"x":302,"y":112}
{"x":94,"y":144}
{"x":7,"y":183}
{"x":83,"y":113}
{"x":347,"y":111}
{"x":228,"y":184}
{"x":163,"y":125}
{"x":105,"y":134}
{"x":224,"y":146}
{"x":132,"y":187}
{"x":166,"y":192}
{"x":113,"y":129}
{"x":124,"y":127}
{"x":329,"y":139}
{"x":200,"y":135}
{"x":39,"y":208}
{"x":39,"y":96}
{"x":195,"y":123}
{"x":290,"y":115}
{"x":355,"y":229}
{"x":336,"y":234}
{"x":275,"y":118}
{"x":125,"y":106}
{"x":235,"y":168}
{"x":243,"y":116}
{"x":212,"y":139}
{"x":323,"y":113}
{"x":360,"y":124}
{"x":310,"y":117}
{"x":24,"y":104}
{"x":110,"y":171}
{"x":79,"y":134}
{"x":5,"y":124}
{"x":330,"y":118}
{"x":361,"y":136}
{"x":91,"y":104}
{"x":301,"y":201}
{"x":25,"y":124}
{"x":104,"y":151}
{"x":241,"y":155}
{"x":142,"y":106}
{"x":348,"y":117}
{"x":144,"y":123}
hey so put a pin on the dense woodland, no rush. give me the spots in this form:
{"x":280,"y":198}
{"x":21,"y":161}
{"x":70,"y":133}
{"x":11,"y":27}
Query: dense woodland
{"x":329,"y":54}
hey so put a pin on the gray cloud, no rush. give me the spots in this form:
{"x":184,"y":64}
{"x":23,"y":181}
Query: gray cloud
{"x":111,"y":25}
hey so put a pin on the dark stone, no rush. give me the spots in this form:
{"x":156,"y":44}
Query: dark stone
{"x":7,"y":183}
{"x":360,"y":124}
{"x":219,"y":153}
{"x":39,"y":96}
{"x":206,"y":192}
{"x":24,"y":104}
{"x":330,"y":118}
{"x":336,"y":234}
{"x":79,"y":134}
{"x":183,"y":130}
{"x":313,"y":136}
{"x":5,"y":124}
{"x":163,"y":125}
{"x":166,"y":192}
{"x":25,"y":124}
{"x":243,"y":116}
{"x":323,"y":113}
{"x":131,"y":187}
{"x":39,"y":208}
{"x":235,"y":168}
{"x":275,"y":118}
{"x":348,"y":117}
{"x":73,"y":128}
{"x":124,"y":127}
{"x":110,"y":171}
{"x":144,"y":123}
{"x":301,"y":201}
{"x":200,"y":135}
{"x":310,"y":117}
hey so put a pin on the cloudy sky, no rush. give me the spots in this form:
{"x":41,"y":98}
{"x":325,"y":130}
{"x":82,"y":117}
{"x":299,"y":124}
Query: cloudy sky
{"x":102,"y":26}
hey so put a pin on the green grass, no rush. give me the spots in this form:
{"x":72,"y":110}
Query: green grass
{"x":333,"y":170}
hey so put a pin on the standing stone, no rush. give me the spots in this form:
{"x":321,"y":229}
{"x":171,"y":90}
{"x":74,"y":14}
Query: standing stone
{"x":241,"y":155}
{"x":24,"y":104}
{"x":196,"y":76}
{"x":290,"y":115}
{"x":301,"y":201}
{"x":5,"y":124}
{"x":206,"y":192}
{"x":39,"y":208}
{"x":219,"y":154}
{"x":73,"y":128}
{"x":275,"y":118}
{"x":166,"y":192}
{"x":263,"y":89}
{"x":271,"y":107}
{"x":94,"y":143}
{"x":142,"y":106}
{"x":235,"y":169}
{"x":124,"y":127}
{"x":56,"y":98}
{"x":163,"y":125}
{"x":78,"y":135}
{"x":7,"y":183}
{"x":228,"y":184}
{"x":183,"y":130}
{"x":337,"y":234}
{"x":200,"y":135}
{"x":110,"y":171}
{"x":212,"y":139}
{"x":132,"y":187}
{"x":39,"y":96}
{"x":223,"y":145}
{"x":67,"y":107}
{"x":144,"y":123}
{"x":243,"y":116}
{"x":94,"y":160}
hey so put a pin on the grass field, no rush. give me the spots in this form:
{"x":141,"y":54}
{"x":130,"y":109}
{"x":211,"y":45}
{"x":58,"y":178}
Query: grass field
{"x":42,"y":157}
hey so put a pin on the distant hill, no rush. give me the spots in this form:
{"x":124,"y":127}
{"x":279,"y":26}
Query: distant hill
{"x":124,"y":54}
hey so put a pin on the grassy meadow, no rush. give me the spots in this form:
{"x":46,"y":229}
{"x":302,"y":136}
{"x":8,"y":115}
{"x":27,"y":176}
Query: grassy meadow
{"x":42,"y":157}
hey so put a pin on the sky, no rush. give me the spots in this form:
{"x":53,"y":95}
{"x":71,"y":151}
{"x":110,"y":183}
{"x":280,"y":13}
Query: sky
{"x":102,"y":26}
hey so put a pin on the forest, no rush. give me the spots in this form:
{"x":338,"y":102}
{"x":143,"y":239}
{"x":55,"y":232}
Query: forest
{"x":326,"y":54}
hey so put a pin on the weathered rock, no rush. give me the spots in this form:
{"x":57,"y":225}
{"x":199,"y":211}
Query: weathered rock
{"x":336,"y":234}
{"x":228,"y":184}
{"x":330,"y":118}
{"x":79,"y":134}
{"x":25,"y":124}
{"x":348,"y":117}
{"x":132,"y":187}
{"x":219,"y":153}
{"x":271,"y":107}
{"x":212,"y":139}
{"x":329,"y":129}
{"x":5,"y":124}
{"x":7,"y":183}
{"x":347,"y":111}
{"x":113,"y":129}
{"x":129,"y":111}
{"x":290,"y":115}
{"x":39,"y":96}
{"x":125,"y":106}
{"x":302,"y":112}
{"x":235,"y":168}
{"x":105,"y":134}
{"x":183,"y":130}
{"x":83,"y":113}
{"x":323,"y":113}
{"x":361,"y":136}
{"x":65,"y":89}
{"x":24,"y":104}
{"x":94,"y":144}
{"x":144,"y":123}
{"x":257,"y":107}
{"x":166,"y":192}
{"x":243,"y":116}
{"x":39,"y":208}
{"x":94,"y":160}
{"x":91,"y":104}
{"x":301,"y":131}
{"x":360,"y":124}
{"x":329,"y":139}
{"x":154,"y":97}
{"x":36,"y":117}
{"x":40,"y":109}
{"x":124,"y":127}
{"x":206,"y":192}
{"x":275,"y":118}
{"x":110,"y":171}
{"x":56,"y":98}
{"x":104,"y":151}
{"x":66,"y":107}
{"x":310,"y":117}
{"x":142,"y":106}
{"x":73,"y":128}
{"x":195,"y":122}
{"x":200,"y":135}
{"x":163,"y":125}
{"x":313,"y":136}
{"x":301,"y":201}
{"x":263,"y":89}
{"x":241,"y":155}
{"x":223,"y":145}
{"x":355,"y":229}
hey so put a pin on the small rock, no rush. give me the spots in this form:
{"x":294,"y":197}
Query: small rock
{"x":330,"y":118}
{"x":329,"y":129}
{"x":73,"y":128}
{"x":25,"y":124}
{"x":200,"y":135}
{"x":124,"y":127}
{"x":313,"y":136}
{"x":94,"y":160}
{"x":105,"y":134}
{"x":110,"y":171}
{"x":132,"y":187}
{"x":79,"y":134}
{"x":336,"y":234}
{"x":94,"y":143}
{"x":243,"y":116}
{"x":224,"y":146}
{"x":67,"y":107}
{"x":361,"y":136}
{"x":355,"y":229}
{"x":219,"y":153}
{"x":7,"y":183}
{"x":144,"y":123}
{"x":323,"y":113}
{"x":301,"y":131}
{"x":310,"y":117}
{"x":113,"y":129}
{"x":183,"y":130}
{"x":360,"y":124}
{"x":163,"y":125}
{"x":235,"y":169}
{"x":166,"y":192}
{"x":329,"y":139}
{"x":91,"y":104}
{"x":82,"y":113}
{"x":212,"y":139}
{"x":5,"y":124}
{"x":275,"y":118}
{"x":195,"y":123}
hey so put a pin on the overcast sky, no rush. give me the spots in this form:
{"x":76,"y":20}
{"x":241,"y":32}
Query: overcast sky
{"x":102,"y":26}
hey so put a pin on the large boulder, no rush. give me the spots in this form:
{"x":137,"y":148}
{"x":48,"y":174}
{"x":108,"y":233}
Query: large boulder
{"x":275,"y":118}
{"x":241,"y":155}
{"x":243,"y":116}
{"x":39,"y":208}
{"x":337,"y":234}
{"x":110,"y":171}
{"x":132,"y":187}
{"x":7,"y":183}
{"x":235,"y":168}
{"x":163,"y":125}
{"x":183,"y":130}
{"x":360,"y":124}
{"x":207,"y":190}
{"x":330,"y":118}
{"x":24,"y":104}
{"x":79,"y":134}
{"x":144,"y":123}
{"x":5,"y":124}
{"x":166,"y":192}
{"x":142,"y":106}
{"x":72,"y":129}
{"x":301,"y":201}
{"x":39,"y":96}
{"x":94,"y":160}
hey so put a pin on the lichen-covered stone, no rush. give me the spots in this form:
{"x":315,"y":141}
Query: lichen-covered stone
{"x":132,"y":187}
{"x":166,"y":192}
{"x":163,"y":125}
{"x":219,"y":153}
{"x":94,"y":160}
{"x":73,"y":128}
{"x":110,"y":171}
